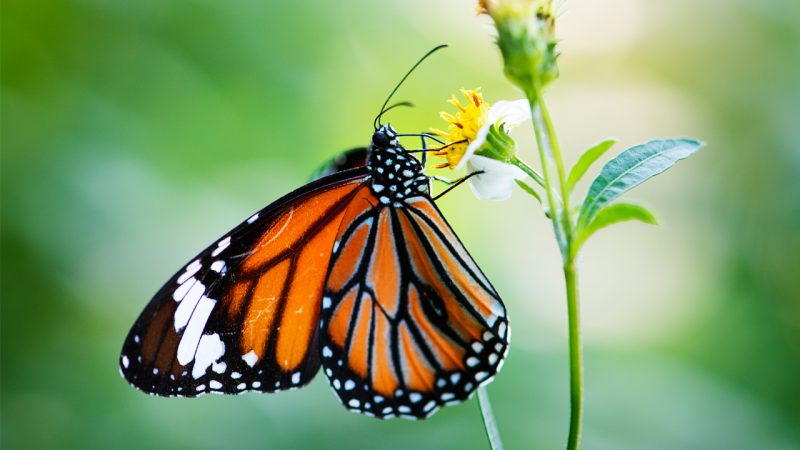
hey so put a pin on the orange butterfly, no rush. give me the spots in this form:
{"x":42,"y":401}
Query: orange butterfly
{"x":357,"y":272}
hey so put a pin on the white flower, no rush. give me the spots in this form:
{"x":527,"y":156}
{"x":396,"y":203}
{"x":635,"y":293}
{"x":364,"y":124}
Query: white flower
{"x":497,"y":180}
{"x":509,"y":113}
{"x":477,"y":140}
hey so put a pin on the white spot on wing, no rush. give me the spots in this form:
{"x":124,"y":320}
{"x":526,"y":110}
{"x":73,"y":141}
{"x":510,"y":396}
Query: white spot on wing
{"x":253,"y":218}
{"x":349,"y":385}
{"x":193,"y":331}
{"x":219,"y":367}
{"x":191,"y":269}
{"x":188,"y":305}
{"x":125,"y":361}
{"x":214,"y":384}
{"x":296,"y":378}
{"x":250,"y":358}
{"x":210,"y":349}
{"x":183,"y":289}
{"x":221,"y":246}
{"x":218,"y":266}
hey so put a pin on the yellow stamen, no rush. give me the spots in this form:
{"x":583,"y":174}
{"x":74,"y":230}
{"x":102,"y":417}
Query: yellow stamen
{"x":463,"y":127}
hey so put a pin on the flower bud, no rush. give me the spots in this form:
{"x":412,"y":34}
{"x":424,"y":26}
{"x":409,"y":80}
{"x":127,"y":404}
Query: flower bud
{"x":526,"y":37}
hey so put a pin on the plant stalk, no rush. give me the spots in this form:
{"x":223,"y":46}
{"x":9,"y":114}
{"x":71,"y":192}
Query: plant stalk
{"x":575,"y":357}
{"x":489,"y":424}
{"x":564,"y":227}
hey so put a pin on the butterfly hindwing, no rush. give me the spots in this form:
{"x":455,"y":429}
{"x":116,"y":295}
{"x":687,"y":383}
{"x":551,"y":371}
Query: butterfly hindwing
{"x":243,"y":315}
{"x":409,"y":322}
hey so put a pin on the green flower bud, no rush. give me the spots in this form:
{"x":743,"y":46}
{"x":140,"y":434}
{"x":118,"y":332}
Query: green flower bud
{"x":526,"y":37}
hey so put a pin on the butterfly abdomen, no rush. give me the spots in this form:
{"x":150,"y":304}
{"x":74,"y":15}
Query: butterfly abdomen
{"x":396,"y":175}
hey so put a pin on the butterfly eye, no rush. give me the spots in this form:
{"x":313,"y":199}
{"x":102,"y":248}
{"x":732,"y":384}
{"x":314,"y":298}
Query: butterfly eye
{"x":381,"y":139}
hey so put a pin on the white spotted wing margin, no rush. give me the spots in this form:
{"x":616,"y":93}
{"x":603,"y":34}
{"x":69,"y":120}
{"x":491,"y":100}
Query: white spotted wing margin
{"x":422,"y":338}
{"x":188,"y":340}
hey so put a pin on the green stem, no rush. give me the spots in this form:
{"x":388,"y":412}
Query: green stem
{"x":489,"y":424}
{"x":546,"y":156}
{"x":564,"y":227}
{"x":575,"y":357}
{"x":530,"y":171}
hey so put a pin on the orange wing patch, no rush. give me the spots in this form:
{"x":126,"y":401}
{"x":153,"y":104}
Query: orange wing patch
{"x":301,"y":312}
{"x":428,"y":328}
{"x":417,"y":373}
{"x":427,"y":207}
{"x":293,"y":225}
{"x":384,"y":378}
{"x":350,"y":257}
{"x":279,"y":285}
{"x":384,"y":268}
{"x":341,"y":318}
{"x":359,"y":345}
{"x":263,"y":306}
{"x":449,"y":355}
{"x":465,"y":325}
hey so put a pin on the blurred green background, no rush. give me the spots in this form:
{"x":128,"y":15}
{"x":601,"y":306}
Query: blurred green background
{"x":135,"y":133}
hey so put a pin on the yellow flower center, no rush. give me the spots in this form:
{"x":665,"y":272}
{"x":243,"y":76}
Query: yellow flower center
{"x":463,"y":127}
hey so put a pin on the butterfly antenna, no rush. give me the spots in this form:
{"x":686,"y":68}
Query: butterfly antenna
{"x":389,"y":108}
{"x":377,"y":122}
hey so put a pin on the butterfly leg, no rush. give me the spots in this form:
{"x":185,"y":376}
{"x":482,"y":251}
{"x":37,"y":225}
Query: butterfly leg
{"x":444,"y":180}
{"x":422,"y":137}
{"x":454,"y":184}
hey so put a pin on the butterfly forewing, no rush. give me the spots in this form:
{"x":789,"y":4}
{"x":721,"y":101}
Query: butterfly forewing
{"x":409,"y":322}
{"x":243,"y":315}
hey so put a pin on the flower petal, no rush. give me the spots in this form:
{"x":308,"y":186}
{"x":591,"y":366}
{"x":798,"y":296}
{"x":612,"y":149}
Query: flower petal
{"x":473,"y":146}
{"x":511,"y":113}
{"x":497,"y":180}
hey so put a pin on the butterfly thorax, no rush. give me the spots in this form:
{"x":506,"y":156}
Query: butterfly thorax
{"x":396,"y":175}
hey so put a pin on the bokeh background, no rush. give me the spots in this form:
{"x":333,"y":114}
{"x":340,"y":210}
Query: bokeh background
{"x":134,"y":133}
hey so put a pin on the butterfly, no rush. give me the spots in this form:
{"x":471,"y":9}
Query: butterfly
{"x":356,"y":273}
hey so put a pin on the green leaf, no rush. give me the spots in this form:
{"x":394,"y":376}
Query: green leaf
{"x":630,"y":169}
{"x":529,"y":190}
{"x":611,"y":214}
{"x":585,"y":161}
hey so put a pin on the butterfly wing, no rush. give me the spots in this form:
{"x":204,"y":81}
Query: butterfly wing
{"x":409,"y":322}
{"x":244,"y":314}
{"x":348,"y":159}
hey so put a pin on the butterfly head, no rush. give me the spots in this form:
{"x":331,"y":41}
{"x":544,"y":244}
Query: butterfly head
{"x":384,"y":137}
{"x":396,"y":175}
